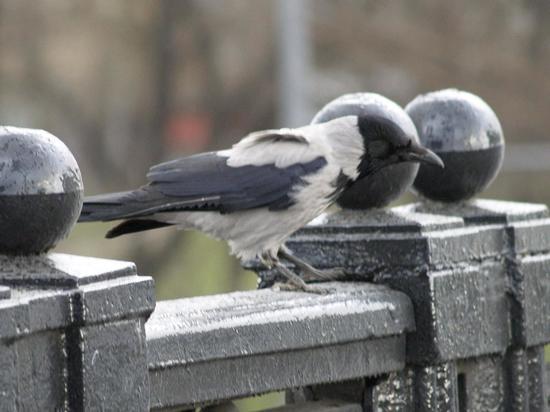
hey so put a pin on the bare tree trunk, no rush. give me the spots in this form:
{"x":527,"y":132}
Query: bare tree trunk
{"x":541,"y":33}
{"x":164,"y":52}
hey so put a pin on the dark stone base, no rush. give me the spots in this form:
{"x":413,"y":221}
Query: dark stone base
{"x":32,"y":224}
{"x":465,"y":174}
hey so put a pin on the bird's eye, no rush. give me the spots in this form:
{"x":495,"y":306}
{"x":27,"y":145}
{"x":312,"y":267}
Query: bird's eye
{"x":379,"y":149}
{"x":403,"y":148}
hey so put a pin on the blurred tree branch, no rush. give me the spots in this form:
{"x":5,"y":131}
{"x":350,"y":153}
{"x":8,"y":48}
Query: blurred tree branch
{"x":540,"y":34}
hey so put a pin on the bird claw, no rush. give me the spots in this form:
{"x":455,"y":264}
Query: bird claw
{"x":319,"y":290}
{"x":289,"y":287}
{"x":309,"y":272}
{"x":325,"y":274}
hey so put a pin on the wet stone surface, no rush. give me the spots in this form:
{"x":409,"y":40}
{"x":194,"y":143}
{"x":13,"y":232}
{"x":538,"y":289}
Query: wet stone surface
{"x":32,"y":224}
{"x":35,"y":162}
{"x":60,"y":270}
{"x":483,"y":211}
{"x":465,"y":132}
{"x":40,"y":191}
{"x":482,"y":384}
{"x":456,"y":262}
{"x":465,"y":175}
{"x":357,"y":330}
{"x":526,"y":247}
{"x":71,"y":334}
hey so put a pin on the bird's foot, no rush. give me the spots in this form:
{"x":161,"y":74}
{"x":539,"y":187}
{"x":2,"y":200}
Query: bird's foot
{"x":323,"y":274}
{"x":295,"y":282}
{"x":309,"y":272}
{"x":291,"y":287}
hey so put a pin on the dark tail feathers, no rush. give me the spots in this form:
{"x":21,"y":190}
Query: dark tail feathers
{"x":110,"y":206}
{"x":117,"y":206}
{"x":134,"y":225}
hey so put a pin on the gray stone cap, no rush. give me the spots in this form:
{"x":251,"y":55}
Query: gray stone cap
{"x":47,"y":292}
{"x":483,"y":210}
{"x":243,"y":324}
{"x":33,"y":310}
{"x":394,"y":220}
{"x":60,"y":270}
{"x":35,"y":162}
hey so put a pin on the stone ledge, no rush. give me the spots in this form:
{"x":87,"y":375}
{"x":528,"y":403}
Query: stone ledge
{"x":229,"y":346}
{"x":59,"y":270}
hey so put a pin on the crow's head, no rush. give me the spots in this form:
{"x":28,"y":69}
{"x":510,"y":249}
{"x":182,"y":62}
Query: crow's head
{"x":386,"y":143}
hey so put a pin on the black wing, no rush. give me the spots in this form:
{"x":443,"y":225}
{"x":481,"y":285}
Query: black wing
{"x":206,"y":182}
{"x":203,"y":182}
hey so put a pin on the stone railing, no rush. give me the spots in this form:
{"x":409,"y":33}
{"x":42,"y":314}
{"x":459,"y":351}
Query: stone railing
{"x":454,"y":318}
{"x":443,"y":308}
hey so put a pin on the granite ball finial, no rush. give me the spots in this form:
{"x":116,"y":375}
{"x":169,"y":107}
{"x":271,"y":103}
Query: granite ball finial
{"x":388,"y":184}
{"x":465,"y":132}
{"x":41,"y":191}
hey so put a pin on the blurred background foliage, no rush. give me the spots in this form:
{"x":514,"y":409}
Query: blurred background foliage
{"x":129,"y":83}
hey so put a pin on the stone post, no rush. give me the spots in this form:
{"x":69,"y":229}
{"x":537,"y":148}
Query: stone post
{"x":71,"y":328}
{"x":476,"y":271}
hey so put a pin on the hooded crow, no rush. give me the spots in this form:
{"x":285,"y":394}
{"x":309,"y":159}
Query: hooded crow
{"x":263,"y":189}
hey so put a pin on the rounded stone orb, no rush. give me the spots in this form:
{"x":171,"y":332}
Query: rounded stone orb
{"x":465,"y":132}
{"x":40,"y":191}
{"x":388,"y":184}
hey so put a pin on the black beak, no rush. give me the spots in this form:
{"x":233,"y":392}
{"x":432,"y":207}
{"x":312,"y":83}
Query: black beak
{"x":420,"y":154}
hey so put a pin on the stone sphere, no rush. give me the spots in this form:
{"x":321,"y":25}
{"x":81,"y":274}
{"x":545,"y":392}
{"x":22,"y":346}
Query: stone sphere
{"x":388,"y":184}
{"x":40,"y":191}
{"x":465,"y":132}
